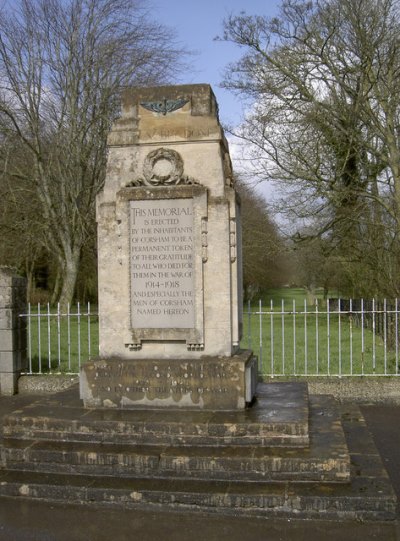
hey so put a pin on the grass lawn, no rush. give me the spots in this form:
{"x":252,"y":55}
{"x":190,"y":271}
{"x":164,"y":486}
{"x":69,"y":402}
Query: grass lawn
{"x":59,"y":343}
{"x":289,"y":294}
{"x":306,"y":340}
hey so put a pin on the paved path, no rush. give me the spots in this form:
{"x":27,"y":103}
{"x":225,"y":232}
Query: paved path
{"x":36,"y":521}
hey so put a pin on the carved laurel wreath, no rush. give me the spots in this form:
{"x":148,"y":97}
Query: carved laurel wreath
{"x":173,"y":176}
{"x":176,"y":170}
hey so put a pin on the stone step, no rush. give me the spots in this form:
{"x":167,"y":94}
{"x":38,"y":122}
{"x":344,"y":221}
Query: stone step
{"x":326,"y":459}
{"x":363,"y":499}
{"x":195,"y":463}
{"x":278,"y":418}
{"x":367,"y":495}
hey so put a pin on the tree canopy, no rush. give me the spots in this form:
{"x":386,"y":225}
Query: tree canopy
{"x":323,"y":78}
{"x":264,"y":250}
{"x":62,"y":63}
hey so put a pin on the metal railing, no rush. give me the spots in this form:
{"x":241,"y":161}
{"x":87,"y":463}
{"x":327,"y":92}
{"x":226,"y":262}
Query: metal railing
{"x":338,"y":338}
{"x":60,"y":341}
{"x":334,"y":338}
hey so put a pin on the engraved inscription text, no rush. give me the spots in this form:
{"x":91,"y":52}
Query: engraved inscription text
{"x":161,"y":247}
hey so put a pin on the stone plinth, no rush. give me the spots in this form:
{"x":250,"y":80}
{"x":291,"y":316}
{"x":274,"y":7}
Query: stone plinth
{"x":208,"y":383}
{"x":169,"y":252}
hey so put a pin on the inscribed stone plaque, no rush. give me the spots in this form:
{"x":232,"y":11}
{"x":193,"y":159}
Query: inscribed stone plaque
{"x":207,"y":383}
{"x":161,"y":248}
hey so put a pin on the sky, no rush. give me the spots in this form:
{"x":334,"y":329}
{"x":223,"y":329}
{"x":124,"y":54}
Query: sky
{"x":197,"y":23}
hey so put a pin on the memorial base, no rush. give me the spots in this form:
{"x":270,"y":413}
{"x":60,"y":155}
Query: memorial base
{"x":289,"y":455}
{"x":208,"y":383}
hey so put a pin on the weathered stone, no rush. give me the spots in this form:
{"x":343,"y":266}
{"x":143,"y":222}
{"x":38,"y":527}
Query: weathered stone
{"x":206,"y":383}
{"x":9,"y":382}
{"x":12,"y":330}
{"x":279,"y":420}
{"x":49,"y":383}
{"x":252,"y":480}
{"x":169,"y":254}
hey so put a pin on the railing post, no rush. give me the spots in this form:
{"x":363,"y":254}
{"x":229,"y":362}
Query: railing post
{"x":12,"y":330}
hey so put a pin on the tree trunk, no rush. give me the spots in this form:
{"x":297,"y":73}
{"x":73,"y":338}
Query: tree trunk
{"x":29,"y":283}
{"x":69,"y":278}
{"x":29,"y":270}
{"x":56,"y":289}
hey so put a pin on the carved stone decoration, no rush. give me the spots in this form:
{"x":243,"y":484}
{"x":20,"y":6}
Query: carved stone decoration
{"x":195,"y":347}
{"x":204,"y":242}
{"x":164,"y":106}
{"x":163,"y":167}
{"x":232,"y":239}
{"x":228,"y":172}
{"x":119,"y":242}
{"x":134,"y":347}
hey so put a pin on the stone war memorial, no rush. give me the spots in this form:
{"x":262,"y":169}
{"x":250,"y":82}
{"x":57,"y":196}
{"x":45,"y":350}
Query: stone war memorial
{"x":170,"y":298}
{"x":171,"y":415}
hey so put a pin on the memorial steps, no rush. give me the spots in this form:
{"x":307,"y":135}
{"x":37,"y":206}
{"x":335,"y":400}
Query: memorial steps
{"x":289,"y":455}
{"x":266,"y":423}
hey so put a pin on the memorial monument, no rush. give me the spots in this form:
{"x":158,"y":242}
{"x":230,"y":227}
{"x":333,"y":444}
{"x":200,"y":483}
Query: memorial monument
{"x":170,"y":285}
{"x":170,"y":323}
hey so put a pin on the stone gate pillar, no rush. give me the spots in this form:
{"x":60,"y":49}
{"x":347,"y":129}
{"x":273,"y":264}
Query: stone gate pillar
{"x":12,"y":330}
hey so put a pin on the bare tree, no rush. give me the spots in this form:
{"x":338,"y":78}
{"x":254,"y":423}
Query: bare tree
{"x":324,"y":79}
{"x":264,"y":250}
{"x":20,"y":246}
{"x":62,"y":63}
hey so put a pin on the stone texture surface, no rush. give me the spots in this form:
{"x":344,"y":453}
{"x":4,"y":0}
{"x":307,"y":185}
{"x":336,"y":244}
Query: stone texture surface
{"x":194,"y":133}
{"x":169,"y":256}
{"x":49,"y":383}
{"x":363,"y":390}
{"x":326,"y":459}
{"x":305,"y":482}
{"x":12,"y":329}
{"x":268,"y":423}
{"x":207,"y":383}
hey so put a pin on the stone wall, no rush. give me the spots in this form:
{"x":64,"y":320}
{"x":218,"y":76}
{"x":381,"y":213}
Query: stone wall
{"x":12,"y":330}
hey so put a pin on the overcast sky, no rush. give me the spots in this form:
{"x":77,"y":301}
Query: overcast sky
{"x":197,"y":22}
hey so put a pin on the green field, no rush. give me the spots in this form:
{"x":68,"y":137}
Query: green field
{"x":288,"y":295}
{"x":306,"y":340}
